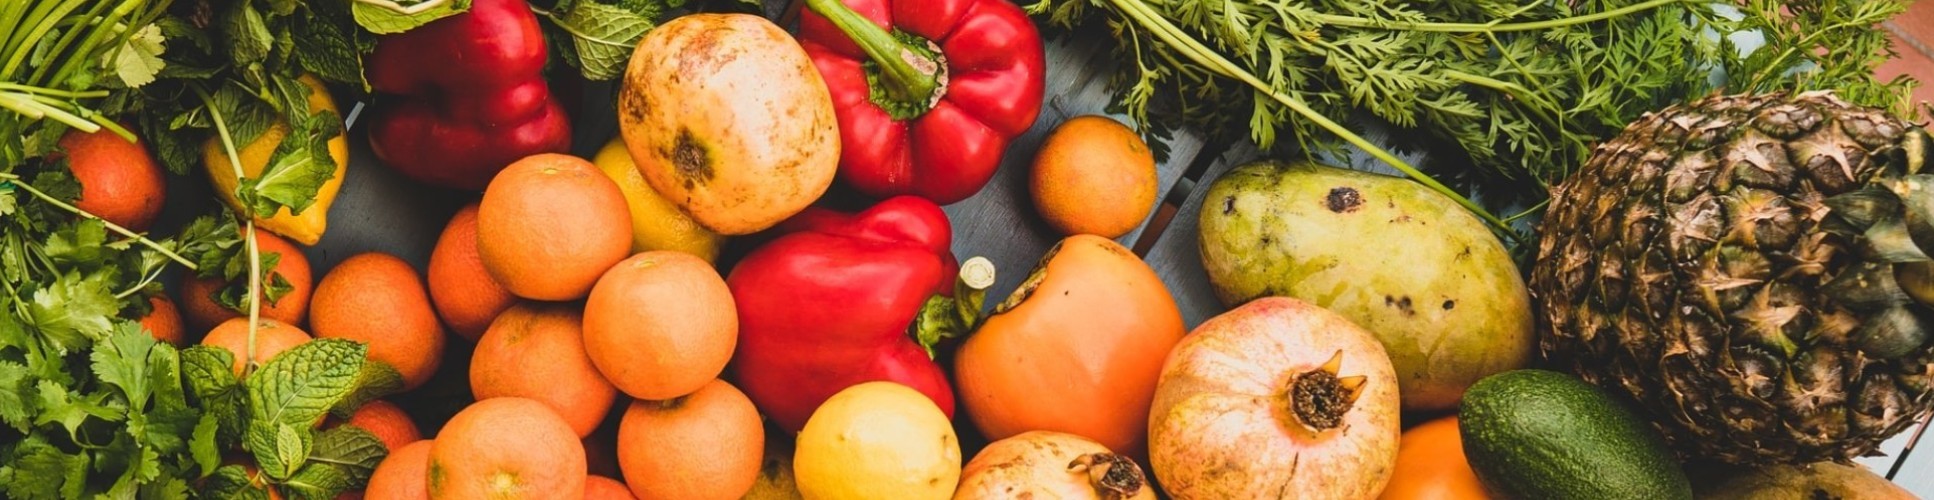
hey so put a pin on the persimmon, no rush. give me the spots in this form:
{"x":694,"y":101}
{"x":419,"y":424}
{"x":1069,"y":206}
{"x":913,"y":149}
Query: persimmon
{"x":1095,"y":320}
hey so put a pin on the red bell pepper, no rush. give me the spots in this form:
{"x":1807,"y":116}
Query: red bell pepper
{"x":466,"y":96}
{"x":927,"y":108}
{"x":841,"y":299}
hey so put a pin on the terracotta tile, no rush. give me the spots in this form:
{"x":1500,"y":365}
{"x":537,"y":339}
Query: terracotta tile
{"x":1912,"y":63}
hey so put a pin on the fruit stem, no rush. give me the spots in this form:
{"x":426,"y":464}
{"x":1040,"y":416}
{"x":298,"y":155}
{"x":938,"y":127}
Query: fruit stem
{"x":1318,"y":399}
{"x":1114,"y":477}
{"x":913,"y":71}
{"x":248,"y":229}
{"x":943,"y":316}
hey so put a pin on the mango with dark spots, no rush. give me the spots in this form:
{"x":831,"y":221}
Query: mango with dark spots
{"x":1405,"y":262}
{"x":726,"y":117}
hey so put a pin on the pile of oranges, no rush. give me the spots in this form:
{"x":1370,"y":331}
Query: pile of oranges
{"x":541,"y":277}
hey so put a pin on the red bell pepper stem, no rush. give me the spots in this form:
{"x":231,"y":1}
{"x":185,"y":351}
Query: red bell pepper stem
{"x":943,"y":317}
{"x":913,"y":74}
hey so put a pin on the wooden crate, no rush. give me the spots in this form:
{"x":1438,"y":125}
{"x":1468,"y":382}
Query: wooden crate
{"x":378,"y":210}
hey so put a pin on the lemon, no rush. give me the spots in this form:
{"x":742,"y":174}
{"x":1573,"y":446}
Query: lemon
{"x":656,"y":223}
{"x":306,"y":228}
{"x":877,"y":440}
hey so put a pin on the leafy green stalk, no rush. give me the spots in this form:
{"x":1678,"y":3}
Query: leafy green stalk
{"x":125,"y":232}
{"x":1511,"y":96}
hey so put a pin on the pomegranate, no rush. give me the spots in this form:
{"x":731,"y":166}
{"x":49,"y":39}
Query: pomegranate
{"x":1277,"y":398}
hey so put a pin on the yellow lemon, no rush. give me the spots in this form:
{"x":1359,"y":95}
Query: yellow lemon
{"x":656,"y":223}
{"x":877,"y":440}
{"x":306,"y":228}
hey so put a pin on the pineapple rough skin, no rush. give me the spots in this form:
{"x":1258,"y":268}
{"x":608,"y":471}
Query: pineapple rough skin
{"x":1713,"y":263}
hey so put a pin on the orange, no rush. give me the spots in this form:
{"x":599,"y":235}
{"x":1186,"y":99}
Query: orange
{"x":536,"y":351}
{"x":120,"y":182}
{"x":466,"y":297}
{"x":163,"y":320}
{"x":660,"y":324}
{"x":403,"y":475}
{"x":706,"y":445}
{"x":549,"y":225}
{"x":604,"y":488}
{"x":507,"y":448}
{"x":271,"y":338}
{"x":197,"y":294}
{"x":388,"y":422}
{"x":1431,"y":465}
{"x":377,"y":299}
{"x":1093,"y":175}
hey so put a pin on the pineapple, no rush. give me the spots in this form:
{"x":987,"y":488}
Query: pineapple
{"x":1748,"y":269}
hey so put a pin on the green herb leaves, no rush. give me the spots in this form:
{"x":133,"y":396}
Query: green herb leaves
{"x":597,"y":36}
{"x":393,"y":16}
{"x":1522,"y":90}
{"x":291,"y":393}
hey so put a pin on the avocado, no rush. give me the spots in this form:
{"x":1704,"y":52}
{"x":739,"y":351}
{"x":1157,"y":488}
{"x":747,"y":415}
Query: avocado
{"x":1543,"y":435}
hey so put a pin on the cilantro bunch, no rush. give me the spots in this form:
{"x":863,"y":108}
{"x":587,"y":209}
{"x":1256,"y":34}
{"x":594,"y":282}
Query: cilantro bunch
{"x":92,"y":406}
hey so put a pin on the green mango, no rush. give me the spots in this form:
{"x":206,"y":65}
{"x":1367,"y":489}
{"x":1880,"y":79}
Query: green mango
{"x":1412,"y":266}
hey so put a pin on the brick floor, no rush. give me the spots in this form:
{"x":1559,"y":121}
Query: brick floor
{"x":1914,"y":42}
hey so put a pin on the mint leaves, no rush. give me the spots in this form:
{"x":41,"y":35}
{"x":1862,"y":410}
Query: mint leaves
{"x":403,"y":15}
{"x":291,"y":393}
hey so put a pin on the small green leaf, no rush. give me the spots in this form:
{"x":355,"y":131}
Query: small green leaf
{"x":297,"y":169}
{"x":74,"y":310}
{"x":373,"y":382}
{"x":37,"y":470}
{"x":244,"y":114}
{"x":169,"y":488}
{"x":605,"y":35}
{"x":343,"y":459}
{"x":231,"y":482}
{"x":328,"y":45}
{"x":201,"y":445}
{"x":383,"y":21}
{"x":289,"y":449}
{"x":212,"y":383}
{"x":138,"y":61}
{"x":16,"y":408}
{"x":122,"y":361}
{"x":79,"y":245}
{"x":292,"y":392}
{"x":247,"y":34}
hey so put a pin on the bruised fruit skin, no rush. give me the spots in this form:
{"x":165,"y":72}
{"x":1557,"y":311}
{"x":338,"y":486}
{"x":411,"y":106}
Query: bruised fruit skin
{"x":507,"y":448}
{"x":1277,"y":398}
{"x":727,"y":117}
{"x":120,"y":182}
{"x":1403,"y":262}
{"x":1052,"y":465}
